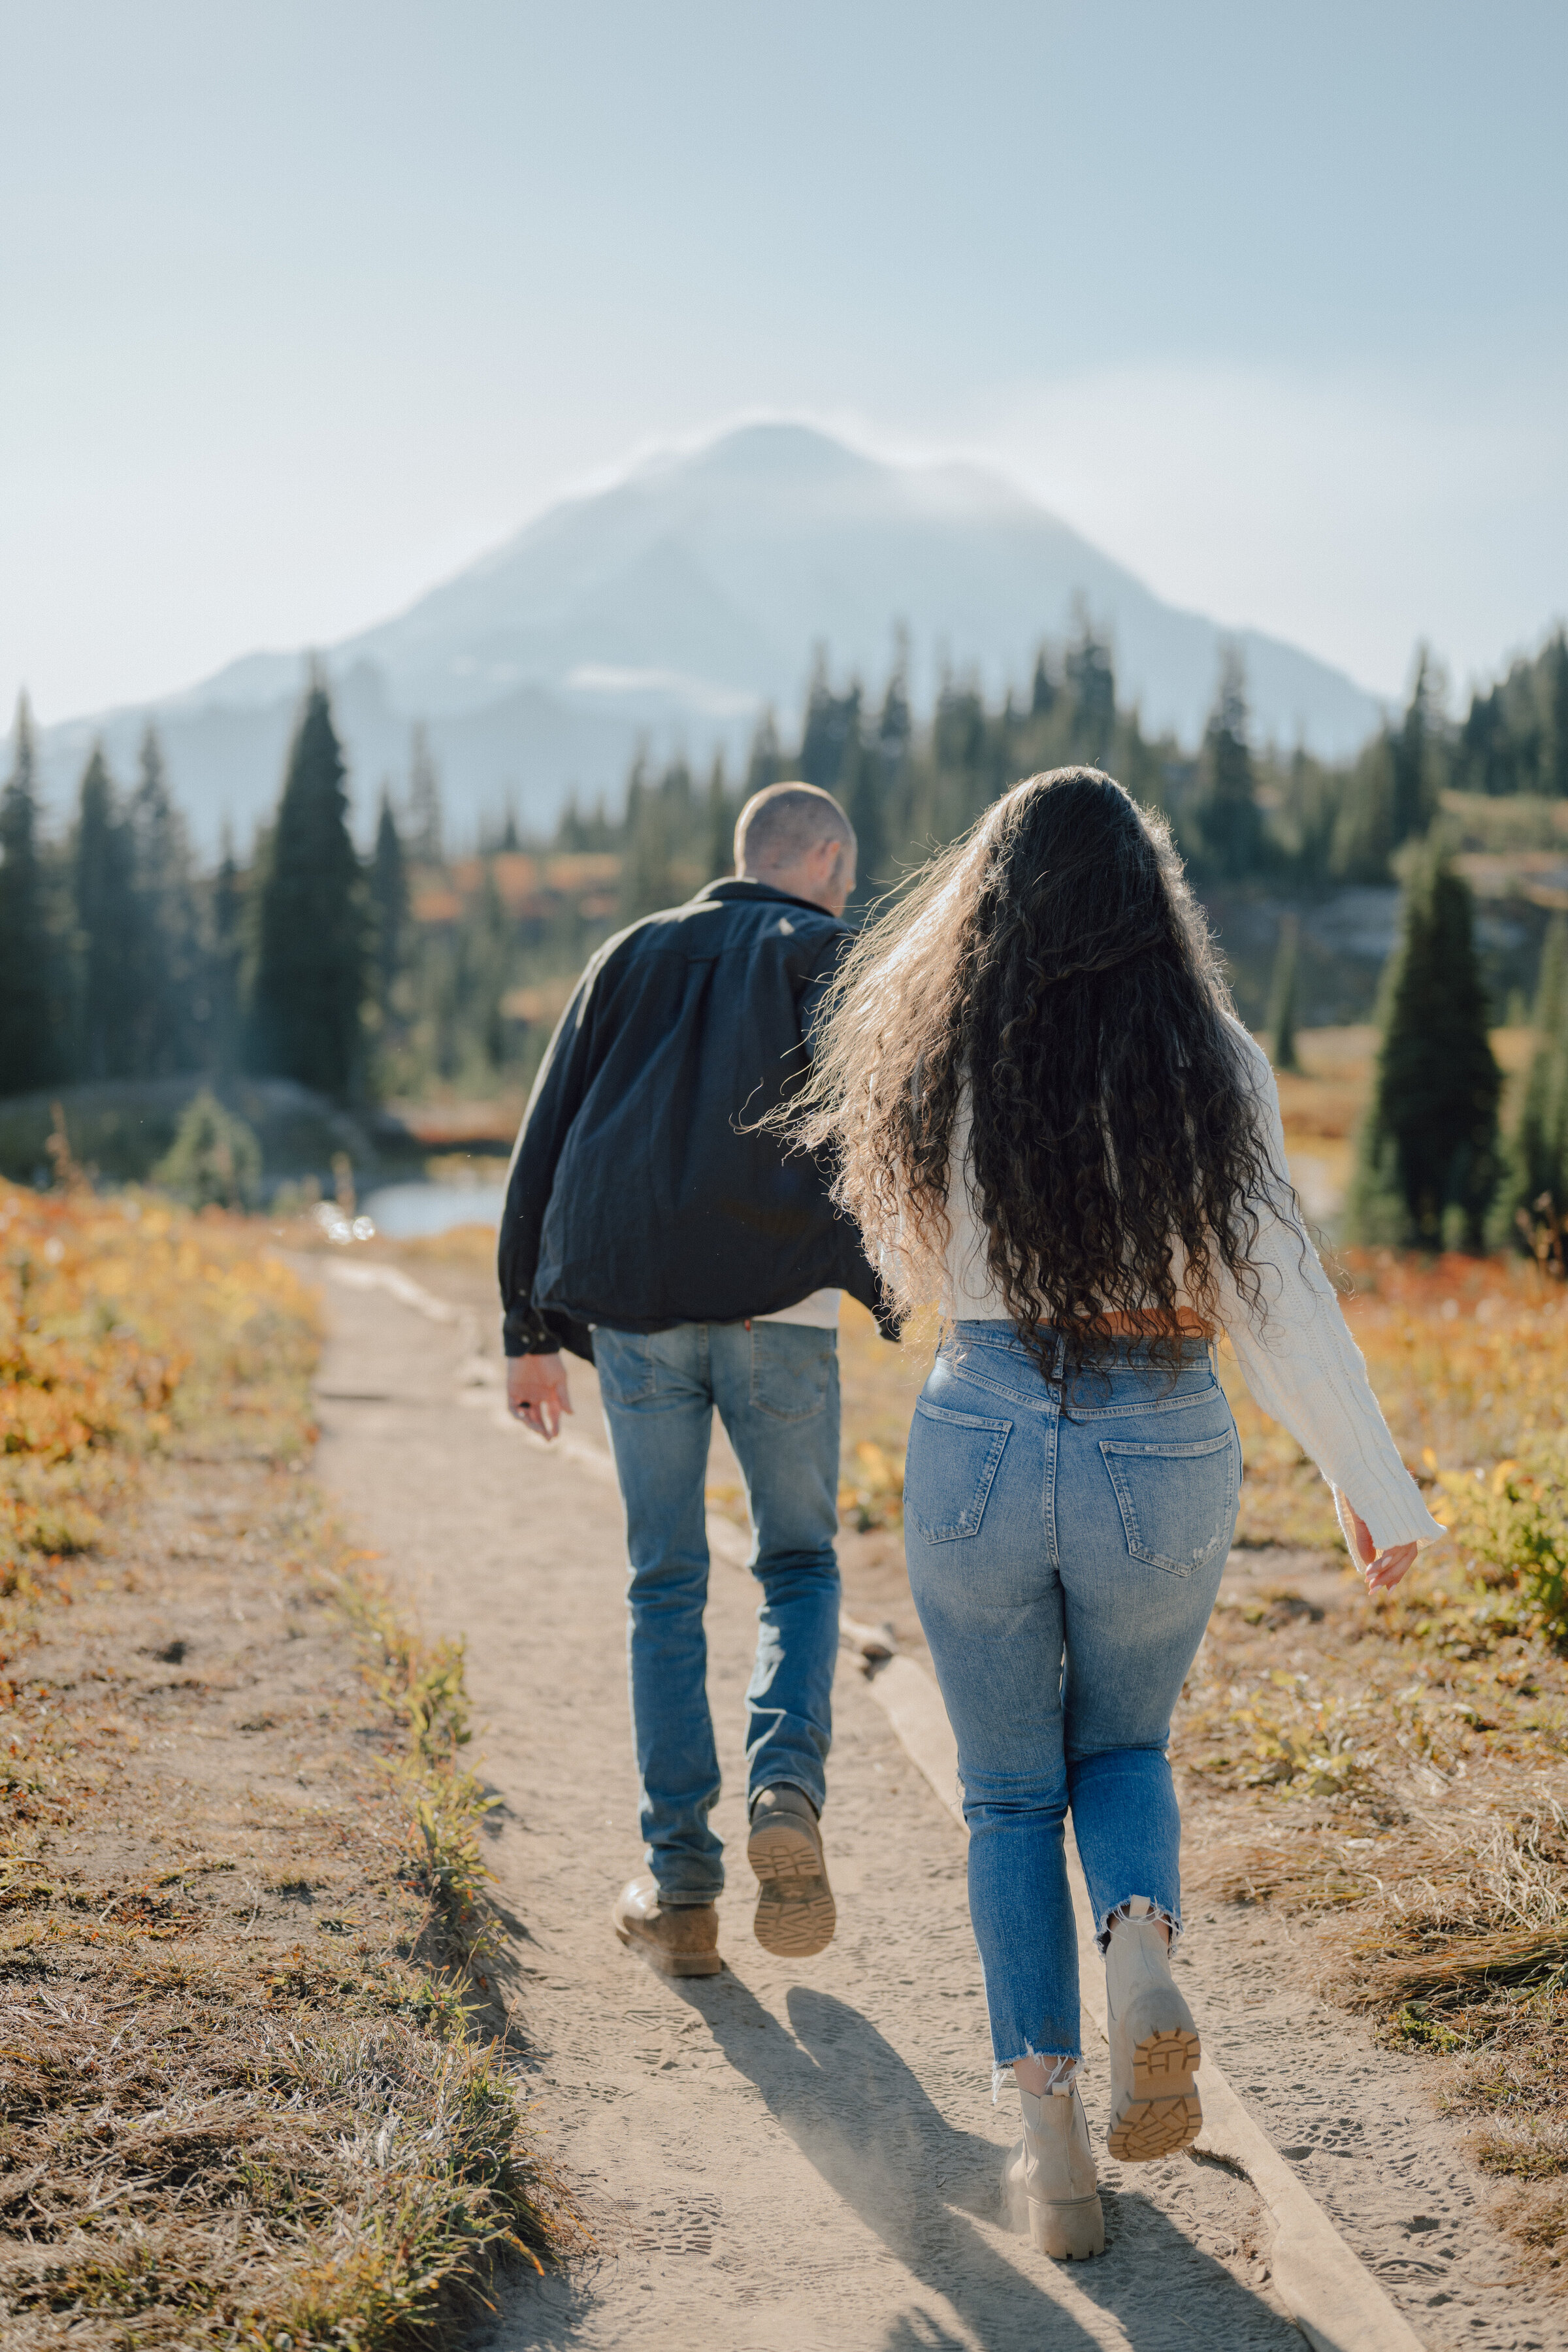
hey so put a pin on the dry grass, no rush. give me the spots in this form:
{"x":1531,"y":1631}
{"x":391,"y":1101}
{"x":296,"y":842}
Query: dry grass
{"x":257,"y":2086}
{"x":1395,"y":1770}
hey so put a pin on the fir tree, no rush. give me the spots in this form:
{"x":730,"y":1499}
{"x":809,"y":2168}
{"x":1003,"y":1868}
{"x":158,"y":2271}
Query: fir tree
{"x":226,"y":949}
{"x":831,"y":722}
{"x":167,"y":1033}
{"x":29,"y":1012}
{"x":1538,"y":1148}
{"x":1282,"y":996}
{"x":1428,"y":1154}
{"x":388,"y":909}
{"x":1416,"y":752}
{"x":766,"y":763}
{"x":1231,"y":821}
{"x":425,"y":823}
{"x":720,"y":822}
{"x":1554,"y":714}
{"x":108,"y":920}
{"x":1091,"y":683}
{"x":1043,"y":689}
{"x":307,"y":991}
{"x":864,"y":785}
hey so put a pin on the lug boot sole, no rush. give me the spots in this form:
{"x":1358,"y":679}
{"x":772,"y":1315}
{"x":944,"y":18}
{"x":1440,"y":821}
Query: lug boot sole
{"x":1161,"y":2113}
{"x":667,"y":1963}
{"x":795,"y":1911}
{"x":1071,"y":2233}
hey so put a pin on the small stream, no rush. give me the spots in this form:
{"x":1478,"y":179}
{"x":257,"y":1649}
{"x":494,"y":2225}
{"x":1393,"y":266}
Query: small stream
{"x":405,"y":1213}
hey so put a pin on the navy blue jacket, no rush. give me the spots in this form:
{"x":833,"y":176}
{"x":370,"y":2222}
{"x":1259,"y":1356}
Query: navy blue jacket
{"x":639,"y":1194}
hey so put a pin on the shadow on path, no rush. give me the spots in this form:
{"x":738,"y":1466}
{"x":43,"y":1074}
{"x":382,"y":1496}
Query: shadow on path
{"x":861,"y":2117}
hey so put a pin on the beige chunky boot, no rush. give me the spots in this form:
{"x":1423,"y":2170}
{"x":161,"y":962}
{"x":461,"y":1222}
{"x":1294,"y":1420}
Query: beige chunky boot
{"x":795,"y":1913}
{"x":1154,"y":2049}
{"x":1049,"y":2177}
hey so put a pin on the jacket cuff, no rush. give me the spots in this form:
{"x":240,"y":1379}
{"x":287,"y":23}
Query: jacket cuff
{"x":524,"y":1332}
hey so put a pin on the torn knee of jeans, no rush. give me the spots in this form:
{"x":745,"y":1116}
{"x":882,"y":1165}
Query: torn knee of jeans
{"x":1061,"y":2067}
{"x":1137,"y":1906}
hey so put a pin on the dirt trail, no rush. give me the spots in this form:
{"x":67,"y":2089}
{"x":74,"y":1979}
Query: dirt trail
{"x":805,"y":2154}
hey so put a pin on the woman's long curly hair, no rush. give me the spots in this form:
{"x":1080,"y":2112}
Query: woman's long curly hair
{"x":1053,"y":964}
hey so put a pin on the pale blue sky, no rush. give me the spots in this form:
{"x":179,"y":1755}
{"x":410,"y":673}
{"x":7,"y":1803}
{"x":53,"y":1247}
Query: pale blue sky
{"x":303,"y":304}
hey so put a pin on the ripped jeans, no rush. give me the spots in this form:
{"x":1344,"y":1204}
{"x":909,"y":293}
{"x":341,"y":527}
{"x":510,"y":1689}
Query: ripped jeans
{"x":1064,"y":1558}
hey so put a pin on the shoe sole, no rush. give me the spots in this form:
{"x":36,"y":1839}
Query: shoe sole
{"x":1162,"y":2112}
{"x":668,"y":1964}
{"x":1069,"y":2233}
{"x":796,"y":1914}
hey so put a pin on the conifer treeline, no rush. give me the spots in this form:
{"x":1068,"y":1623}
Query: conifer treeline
{"x":1239,"y":811}
{"x":119,"y":960}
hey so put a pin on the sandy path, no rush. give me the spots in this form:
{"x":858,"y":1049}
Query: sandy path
{"x":805,"y":2154}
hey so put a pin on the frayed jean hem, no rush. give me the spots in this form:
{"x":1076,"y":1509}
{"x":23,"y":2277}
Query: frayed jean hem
{"x":1064,"y":2066}
{"x":1173,"y":1920}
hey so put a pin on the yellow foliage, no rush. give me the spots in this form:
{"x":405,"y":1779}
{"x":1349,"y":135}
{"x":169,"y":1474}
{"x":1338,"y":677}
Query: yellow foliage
{"x":123,"y":1323}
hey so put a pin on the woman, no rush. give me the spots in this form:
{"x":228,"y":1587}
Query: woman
{"x":1043,"y":1112}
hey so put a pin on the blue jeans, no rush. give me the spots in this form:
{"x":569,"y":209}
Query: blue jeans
{"x":776,"y":1387}
{"x":1064,"y":1557}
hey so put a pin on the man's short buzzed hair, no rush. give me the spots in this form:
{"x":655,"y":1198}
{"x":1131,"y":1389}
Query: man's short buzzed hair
{"x":782,"y":823}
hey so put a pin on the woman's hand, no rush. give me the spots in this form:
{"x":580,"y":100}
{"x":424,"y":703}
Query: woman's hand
{"x":536,"y":1393}
{"x":1382,"y":1570}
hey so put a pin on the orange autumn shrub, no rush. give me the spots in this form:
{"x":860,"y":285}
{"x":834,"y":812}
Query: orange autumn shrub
{"x":123,"y":1323}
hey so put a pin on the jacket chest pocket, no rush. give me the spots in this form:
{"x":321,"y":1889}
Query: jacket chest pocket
{"x":952,"y":1459}
{"x":1178,"y":1503}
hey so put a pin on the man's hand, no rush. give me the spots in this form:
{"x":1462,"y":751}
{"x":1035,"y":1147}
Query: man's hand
{"x":536,"y":1392}
{"x":1382,"y":1570}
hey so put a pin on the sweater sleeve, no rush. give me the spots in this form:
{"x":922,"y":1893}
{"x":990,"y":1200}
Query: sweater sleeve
{"x":1299,"y":1361}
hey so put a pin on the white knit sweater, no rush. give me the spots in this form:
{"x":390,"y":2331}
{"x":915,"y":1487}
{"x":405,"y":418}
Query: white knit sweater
{"x":1300,"y":1362}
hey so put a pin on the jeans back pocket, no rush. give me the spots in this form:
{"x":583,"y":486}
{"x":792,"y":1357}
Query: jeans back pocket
{"x":952,"y":1461}
{"x":625,"y":1363}
{"x":1178,"y":1503}
{"x":792,"y":1369}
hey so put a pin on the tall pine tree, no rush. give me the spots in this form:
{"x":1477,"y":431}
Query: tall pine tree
{"x":1228,"y":813}
{"x":1538,"y":1148}
{"x":1428,"y":1164}
{"x":1418,"y":751}
{"x":30,"y":1011}
{"x":110,"y":955}
{"x":172,"y":1014}
{"x":389,"y":909}
{"x":308,"y":990}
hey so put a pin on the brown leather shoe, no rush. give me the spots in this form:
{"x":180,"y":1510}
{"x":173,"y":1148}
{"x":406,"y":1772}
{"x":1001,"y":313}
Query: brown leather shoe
{"x":680,"y":1942}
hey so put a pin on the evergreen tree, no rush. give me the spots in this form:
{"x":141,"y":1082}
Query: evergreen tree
{"x":766,"y":764}
{"x":108,"y":921}
{"x":1428,"y":1155}
{"x":1416,"y":752}
{"x":226,"y":948}
{"x":720,"y":822}
{"x":1092,"y":684}
{"x":1554,"y":714}
{"x":832,"y":721}
{"x":648,"y":883}
{"x":1538,"y":1148}
{"x":307,"y":991}
{"x":1282,"y":996}
{"x":1231,"y":821}
{"x":388,"y":909}
{"x":864,"y":785}
{"x":169,"y":1028}
{"x":29,"y":1010}
{"x":1361,"y":836}
{"x":1043,"y":689}
{"x":424,"y":822}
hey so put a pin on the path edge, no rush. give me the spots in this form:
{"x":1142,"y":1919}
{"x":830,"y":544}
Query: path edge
{"x":1331,"y":2295}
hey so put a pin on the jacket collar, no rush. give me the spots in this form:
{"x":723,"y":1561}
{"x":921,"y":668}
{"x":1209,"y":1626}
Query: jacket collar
{"x":741,"y":886}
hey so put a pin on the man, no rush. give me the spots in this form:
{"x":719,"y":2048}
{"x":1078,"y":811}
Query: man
{"x":650,"y":1225}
